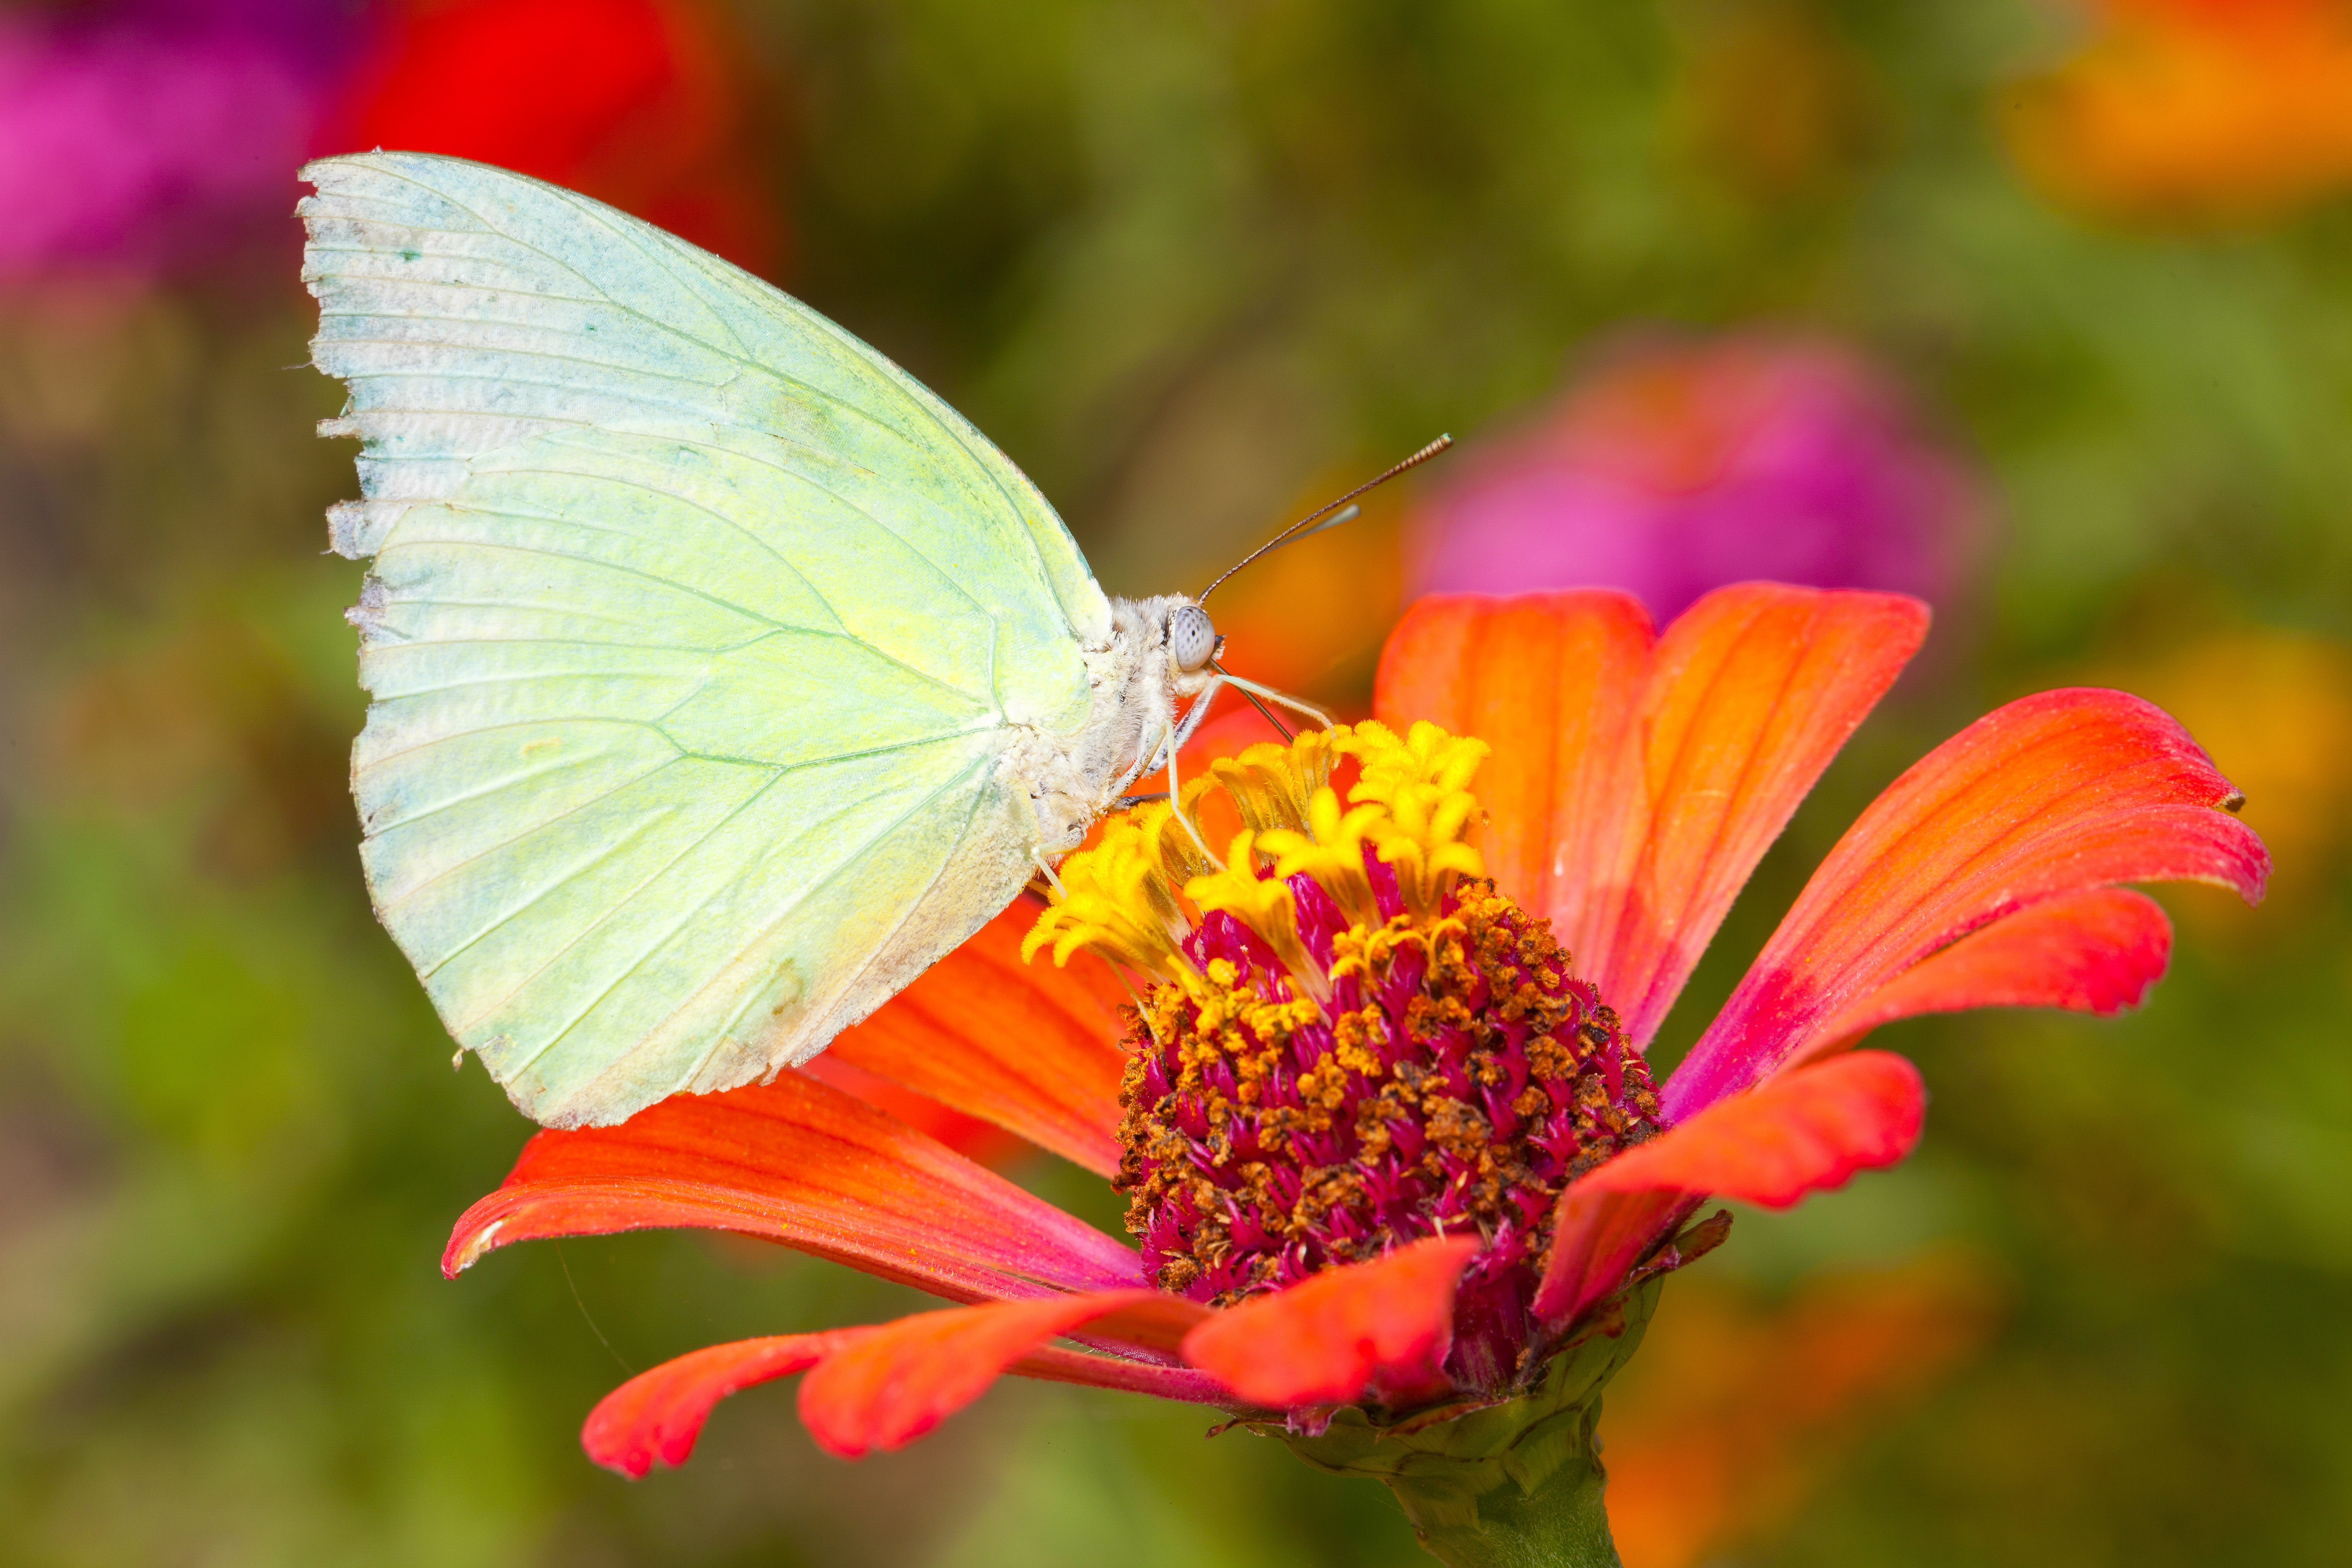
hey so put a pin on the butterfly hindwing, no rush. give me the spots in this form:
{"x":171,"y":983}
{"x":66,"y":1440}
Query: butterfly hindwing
{"x":695,"y":633}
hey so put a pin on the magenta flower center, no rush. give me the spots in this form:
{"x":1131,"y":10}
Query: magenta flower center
{"x":1456,"y":1080}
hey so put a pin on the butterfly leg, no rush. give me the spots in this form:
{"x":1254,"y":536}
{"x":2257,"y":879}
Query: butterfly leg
{"x":1253,"y":691}
{"x":1197,"y":714}
{"x":1142,"y":1013}
{"x":1060,"y":892}
{"x":1165,"y":747}
{"x":1176,"y":799}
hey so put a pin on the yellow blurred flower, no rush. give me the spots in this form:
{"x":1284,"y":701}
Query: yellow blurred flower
{"x":2194,"y":109}
{"x":2275,"y":710}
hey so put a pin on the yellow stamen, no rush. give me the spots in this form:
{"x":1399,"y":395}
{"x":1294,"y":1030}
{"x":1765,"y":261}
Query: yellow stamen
{"x":1131,"y":898}
{"x":1120,"y":898}
{"x":1429,"y":814}
{"x":1270,"y":784}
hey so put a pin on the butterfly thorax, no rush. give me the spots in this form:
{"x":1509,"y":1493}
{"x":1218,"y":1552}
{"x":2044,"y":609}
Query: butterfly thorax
{"x":1136,"y":684}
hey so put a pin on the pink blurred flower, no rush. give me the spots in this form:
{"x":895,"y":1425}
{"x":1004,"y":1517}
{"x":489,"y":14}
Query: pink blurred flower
{"x":133,"y":134}
{"x":1678,"y":467}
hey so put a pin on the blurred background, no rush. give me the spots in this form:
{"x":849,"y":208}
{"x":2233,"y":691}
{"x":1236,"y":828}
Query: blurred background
{"x":2042,"y":309}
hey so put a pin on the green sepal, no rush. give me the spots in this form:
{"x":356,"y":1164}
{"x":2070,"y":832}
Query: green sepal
{"x":1515,"y":1483}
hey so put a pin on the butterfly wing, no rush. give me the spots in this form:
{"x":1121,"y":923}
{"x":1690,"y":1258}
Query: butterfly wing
{"x":697,"y":632}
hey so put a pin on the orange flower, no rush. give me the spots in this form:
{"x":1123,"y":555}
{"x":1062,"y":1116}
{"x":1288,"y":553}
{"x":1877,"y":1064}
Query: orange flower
{"x":2196,"y":109}
{"x":1734,"y":1413}
{"x":1401,"y":1176}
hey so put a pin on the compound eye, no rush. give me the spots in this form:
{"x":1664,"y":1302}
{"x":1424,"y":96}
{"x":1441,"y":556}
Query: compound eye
{"x":1191,"y":637}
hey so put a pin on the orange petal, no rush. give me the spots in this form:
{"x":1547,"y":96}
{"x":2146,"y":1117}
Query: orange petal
{"x":802,"y":1163}
{"x":1384,"y":1325}
{"x":2098,"y":952}
{"x":1803,"y":1131}
{"x":1032,"y":1048}
{"x":895,"y":1383}
{"x":1552,"y":682}
{"x":1634,"y":785}
{"x":2055,"y":794}
{"x":928,"y":1365}
{"x":1752,"y":692}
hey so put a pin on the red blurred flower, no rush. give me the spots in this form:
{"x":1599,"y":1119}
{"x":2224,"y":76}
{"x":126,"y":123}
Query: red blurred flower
{"x":2195,"y":109}
{"x":642,"y":103}
{"x":1402,"y":1183}
{"x":1677,"y":467}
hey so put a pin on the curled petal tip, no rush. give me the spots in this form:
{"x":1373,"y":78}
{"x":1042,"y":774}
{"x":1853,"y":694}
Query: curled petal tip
{"x":656,"y":1417}
{"x":468,"y":1246}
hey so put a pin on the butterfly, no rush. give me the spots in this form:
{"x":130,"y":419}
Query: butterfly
{"x":723,"y":678}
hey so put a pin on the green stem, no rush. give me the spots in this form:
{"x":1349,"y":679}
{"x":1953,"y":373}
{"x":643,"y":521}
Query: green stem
{"x":1510,"y":1484}
{"x":1561,"y":1524}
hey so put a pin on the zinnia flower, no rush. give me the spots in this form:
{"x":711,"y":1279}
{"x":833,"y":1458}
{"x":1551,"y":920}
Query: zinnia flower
{"x":1402,"y":1183}
{"x":2195,"y":109}
{"x":1678,"y":467}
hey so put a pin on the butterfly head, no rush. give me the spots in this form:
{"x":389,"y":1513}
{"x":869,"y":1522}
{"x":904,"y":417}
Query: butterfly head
{"x":1193,"y":638}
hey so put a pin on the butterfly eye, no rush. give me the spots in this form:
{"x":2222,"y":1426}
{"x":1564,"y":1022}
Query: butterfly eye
{"x":1192,"y":636}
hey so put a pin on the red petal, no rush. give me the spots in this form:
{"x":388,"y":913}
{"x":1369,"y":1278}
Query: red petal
{"x":984,"y":1142}
{"x":1031,"y":1048}
{"x":1634,"y":787}
{"x":878,"y":1380}
{"x":806,"y":1164}
{"x":1330,"y":1338}
{"x":895,"y":1383}
{"x":2055,"y":794}
{"x":1803,"y":1131}
{"x":656,"y":1415}
{"x":2098,"y":952}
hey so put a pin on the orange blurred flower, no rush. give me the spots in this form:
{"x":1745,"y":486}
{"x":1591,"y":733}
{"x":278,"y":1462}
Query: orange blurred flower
{"x":2195,"y":109}
{"x":642,"y":103}
{"x":1734,"y":1412}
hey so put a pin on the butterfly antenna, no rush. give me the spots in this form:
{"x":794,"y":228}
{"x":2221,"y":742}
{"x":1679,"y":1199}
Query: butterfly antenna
{"x":1294,"y":530}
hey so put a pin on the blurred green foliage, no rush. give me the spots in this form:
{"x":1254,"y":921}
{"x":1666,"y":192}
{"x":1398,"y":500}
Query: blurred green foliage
{"x":1180,"y":260}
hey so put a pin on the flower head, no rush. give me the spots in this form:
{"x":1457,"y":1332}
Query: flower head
{"x":1356,"y":1042}
{"x":1402,"y":1184}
